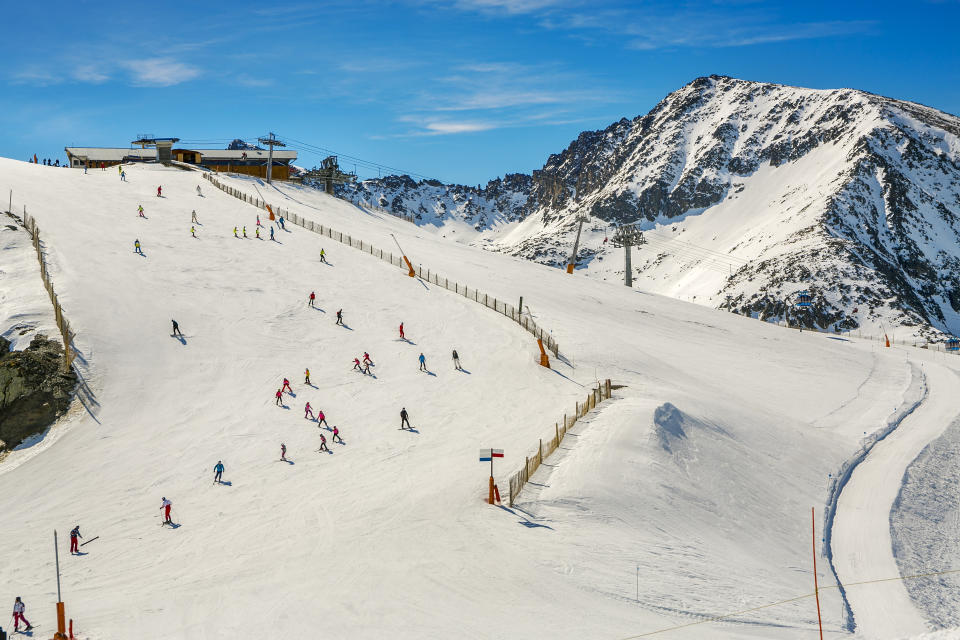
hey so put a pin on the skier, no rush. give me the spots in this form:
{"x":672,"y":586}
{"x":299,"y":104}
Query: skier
{"x":140,"y":211}
{"x":258,"y":220}
{"x":280,"y":220}
{"x":193,"y":217}
{"x":283,"y":452}
{"x":366,"y":358}
{"x":404,"y":419}
{"x":322,"y":419}
{"x":193,"y":231}
{"x":307,"y":410}
{"x":402,"y":337}
{"x":136,"y":246}
{"x":323,"y":256}
{"x":312,"y":298}
{"x":119,"y":168}
{"x":159,"y":192}
{"x":279,"y":397}
{"x":123,"y":176}
{"x":323,"y":443}
{"x":336,"y":436}
{"x":165,"y":507}
{"x":306,"y":376}
{"x":258,"y":233}
{"x":18,"y":608}
{"x":235,"y":233}
{"x":244,"y":231}
{"x":423,"y":363}
{"x":340,"y":316}
{"x":198,"y":191}
{"x":218,"y":471}
{"x":356,"y":365}
{"x":286,"y":386}
{"x":271,"y":233}
{"x":74,"y":534}
{"x":176,"y":328}
{"x":456,"y":361}
{"x":366,"y":367}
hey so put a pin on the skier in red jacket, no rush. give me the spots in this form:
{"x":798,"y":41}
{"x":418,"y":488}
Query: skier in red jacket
{"x":159,"y":192}
{"x":312,"y":298}
{"x":286,"y":386}
{"x":279,"y":397}
{"x":308,"y":410}
{"x":402,"y":337}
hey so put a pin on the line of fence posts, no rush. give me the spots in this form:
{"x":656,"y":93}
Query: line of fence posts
{"x":544,"y":449}
{"x":508,"y":310}
{"x":66,"y":334}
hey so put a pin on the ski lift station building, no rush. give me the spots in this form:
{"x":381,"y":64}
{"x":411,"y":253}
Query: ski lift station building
{"x":165,"y":150}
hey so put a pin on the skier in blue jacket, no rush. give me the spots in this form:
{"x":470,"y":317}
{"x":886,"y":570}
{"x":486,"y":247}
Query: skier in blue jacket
{"x":218,"y":471}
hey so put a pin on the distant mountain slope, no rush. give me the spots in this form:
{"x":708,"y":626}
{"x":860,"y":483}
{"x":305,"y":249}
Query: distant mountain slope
{"x":748,"y":190}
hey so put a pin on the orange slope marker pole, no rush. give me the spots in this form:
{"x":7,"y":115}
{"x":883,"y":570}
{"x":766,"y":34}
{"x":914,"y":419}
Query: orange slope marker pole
{"x":411,"y":271}
{"x":816,"y":588}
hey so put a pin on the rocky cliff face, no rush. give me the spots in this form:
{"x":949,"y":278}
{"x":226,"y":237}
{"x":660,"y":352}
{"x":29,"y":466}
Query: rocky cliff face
{"x":747,"y":192}
{"x":33,"y":389}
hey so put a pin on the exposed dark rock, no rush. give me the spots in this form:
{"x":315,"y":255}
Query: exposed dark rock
{"x":34,"y":390}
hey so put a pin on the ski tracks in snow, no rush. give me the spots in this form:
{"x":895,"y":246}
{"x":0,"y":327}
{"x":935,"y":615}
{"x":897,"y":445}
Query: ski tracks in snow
{"x":860,"y":538}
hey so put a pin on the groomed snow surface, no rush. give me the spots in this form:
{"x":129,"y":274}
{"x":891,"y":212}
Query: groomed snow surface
{"x":685,"y":497}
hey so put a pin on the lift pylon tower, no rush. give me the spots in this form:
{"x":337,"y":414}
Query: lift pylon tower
{"x":626,"y":236}
{"x":271,"y":141}
{"x":576,"y":244}
{"x":330,"y":174}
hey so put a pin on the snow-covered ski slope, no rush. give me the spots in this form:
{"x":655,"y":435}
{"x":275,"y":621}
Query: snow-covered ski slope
{"x":25,"y":308}
{"x":700,"y":472}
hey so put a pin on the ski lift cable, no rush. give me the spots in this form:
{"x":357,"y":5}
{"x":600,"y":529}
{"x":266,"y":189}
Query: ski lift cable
{"x":696,"y":246}
{"x":354,"y":158}
{"x":688,"y":253}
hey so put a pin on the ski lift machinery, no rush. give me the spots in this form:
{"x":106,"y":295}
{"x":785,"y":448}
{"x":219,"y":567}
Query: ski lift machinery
{"x":953,"y":344}
{"x":626,"y":236}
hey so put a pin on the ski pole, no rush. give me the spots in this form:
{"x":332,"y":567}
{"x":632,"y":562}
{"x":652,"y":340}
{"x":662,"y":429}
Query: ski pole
{"x":89,"y":541}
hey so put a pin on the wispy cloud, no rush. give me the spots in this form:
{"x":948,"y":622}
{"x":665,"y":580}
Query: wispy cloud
{"x":160,"y":72}
{"x":247,"y":80}
{"x":90,"y":73}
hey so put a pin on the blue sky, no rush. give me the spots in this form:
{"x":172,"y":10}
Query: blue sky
{"x":460,"y":90}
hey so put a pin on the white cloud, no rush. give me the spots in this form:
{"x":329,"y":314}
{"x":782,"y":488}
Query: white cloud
{"x":90,"y":73}
{"x":161,"y":72}
{"x":446,"y":128}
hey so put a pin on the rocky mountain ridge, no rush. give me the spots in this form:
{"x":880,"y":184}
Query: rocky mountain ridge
{"x":747,"y":192}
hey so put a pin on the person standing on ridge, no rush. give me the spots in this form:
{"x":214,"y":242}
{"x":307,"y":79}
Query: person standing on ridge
{"x":423,"y":363}
{"x":160,"y":192}
{"x":18,"y":609}
{"x":286,"y":386}
{"x":456,"y":361}
{"x":340,"y":317}
{"x":176,"y":329}
{"x":165,"y":507}
{"x":279,"y":398}
{"x":74,"y":543}
{"x":313,"y":297}
{"x":402,"y":337}
{"x":218,"y":471}
{"x":404,"y":419}
{"x":308,"y":411}
{"x":306,"y":376}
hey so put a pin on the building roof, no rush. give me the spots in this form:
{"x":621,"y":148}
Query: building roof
{"x":107,"y":154}
{"x":231,"y":154}
{"x":110,"y":154}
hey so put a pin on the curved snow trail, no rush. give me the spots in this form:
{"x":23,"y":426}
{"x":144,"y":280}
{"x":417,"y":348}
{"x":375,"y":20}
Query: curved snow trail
{"x":861,"y":542}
